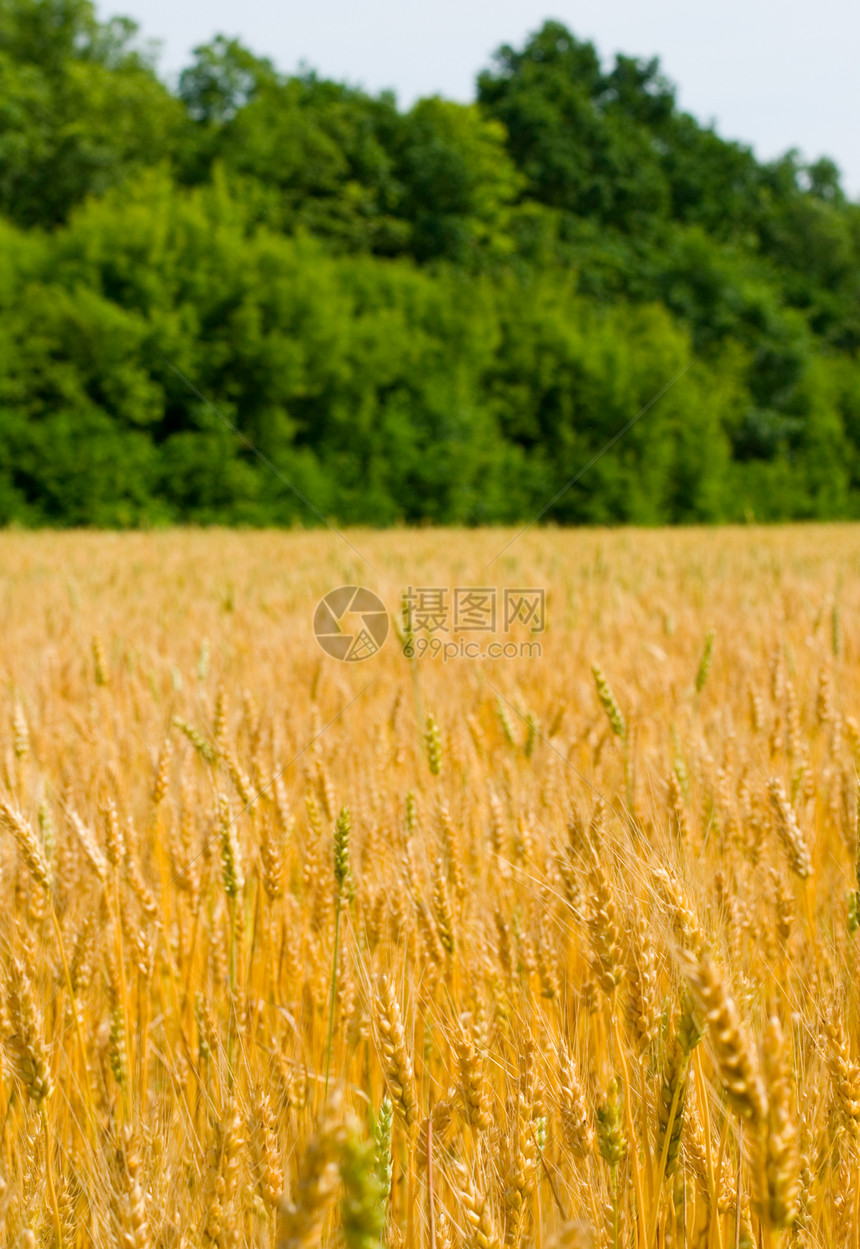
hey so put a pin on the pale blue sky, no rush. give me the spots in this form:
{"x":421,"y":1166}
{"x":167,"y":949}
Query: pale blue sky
{"x":775,"y":74}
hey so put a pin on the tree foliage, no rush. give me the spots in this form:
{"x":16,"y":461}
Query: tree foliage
{"x":442,"y":313}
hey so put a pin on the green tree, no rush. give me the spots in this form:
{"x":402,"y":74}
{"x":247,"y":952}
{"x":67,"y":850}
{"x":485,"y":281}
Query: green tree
{"x":314,"y":156}
{"x":455,"y":312}
{"x":81,"y":107}
{"x":222,"y":79}
{"x":459,"y":183}
{"x":580,"y":137}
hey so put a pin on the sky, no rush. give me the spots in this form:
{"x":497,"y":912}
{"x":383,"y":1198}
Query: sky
{"x":775,"y":75}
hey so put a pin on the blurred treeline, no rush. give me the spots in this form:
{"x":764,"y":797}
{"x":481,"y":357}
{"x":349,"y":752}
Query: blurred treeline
{"x":435,"y":313}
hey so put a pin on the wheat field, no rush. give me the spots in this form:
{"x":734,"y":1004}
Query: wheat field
{"x":533,"y":951}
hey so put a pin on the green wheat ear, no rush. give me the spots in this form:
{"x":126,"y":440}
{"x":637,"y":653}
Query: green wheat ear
{"x":383,"y":1129}
{"x":611,"y":1140}
{"x":231,"y":862}
{"x":854,"y":894}
{"x":853,"y":911}
{"x":342,"y":830}
{"x":532,"y":734}
{"x":433,"y":740}
{"x":410,"y":819}
{"x":342,"y":880}
{"x":609,"y":703}
{"x":363,"y":1204}
{"x":705,"y":661}
{"x":505,"y":722}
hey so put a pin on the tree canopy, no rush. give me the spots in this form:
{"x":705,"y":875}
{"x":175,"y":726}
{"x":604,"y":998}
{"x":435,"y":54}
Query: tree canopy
{"x":436,"y":313}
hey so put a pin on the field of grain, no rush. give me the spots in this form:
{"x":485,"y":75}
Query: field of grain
{"x":549,"y":950}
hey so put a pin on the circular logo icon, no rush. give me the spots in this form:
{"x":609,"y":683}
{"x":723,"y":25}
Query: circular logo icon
{"x":351,"y":623}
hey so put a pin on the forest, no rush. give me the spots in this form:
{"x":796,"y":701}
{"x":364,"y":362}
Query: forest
{"x":228,"y":295}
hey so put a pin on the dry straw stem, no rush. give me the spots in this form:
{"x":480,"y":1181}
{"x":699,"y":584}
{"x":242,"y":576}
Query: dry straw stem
{"x":845,"y":1074}
{"x":273,"y":860}
{"x":129,"y":1200}
{"x":641,"y":1007}
{"x":441,"y":1120}
{"x":782,"y":1155}
{"x":264,"y":1141}
{"x":220,"y":1222}
{"x":501,"y":958}
{"x":608,"y":956}
{"x":734,"y":1056}
{"x":31,"y":850}
{"x":473,"y":1086}
{"x":685,"y":923}
{"x":796,"y":849}
{"x":683,"y":1036}
{"x":92,"y":851}
{"x":396,"y":1062}
{"x":24,"y":1035}
{"x":442,"y":908}
{"x":577,"y":1130}
{"x":481,"y":1231}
